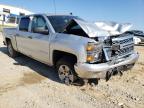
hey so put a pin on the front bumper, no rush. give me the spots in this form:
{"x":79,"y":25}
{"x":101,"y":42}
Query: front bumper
{"x":85,"y":70}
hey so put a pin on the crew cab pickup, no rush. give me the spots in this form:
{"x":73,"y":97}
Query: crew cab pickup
{"x":76,"y":48}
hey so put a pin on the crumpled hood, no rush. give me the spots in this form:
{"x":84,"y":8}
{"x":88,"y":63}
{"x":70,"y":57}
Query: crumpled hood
{"x":91,"y":29}
{"x":99,"y":29}
{"x":113,"y":27}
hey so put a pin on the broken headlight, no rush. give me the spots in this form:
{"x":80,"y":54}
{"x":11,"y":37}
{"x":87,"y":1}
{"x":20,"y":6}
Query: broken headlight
{"x":94,"y":52}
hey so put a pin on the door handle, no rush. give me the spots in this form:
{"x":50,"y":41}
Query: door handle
{"x":30,"y":37}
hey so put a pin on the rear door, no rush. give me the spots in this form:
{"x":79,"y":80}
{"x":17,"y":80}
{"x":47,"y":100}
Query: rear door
{"x":23,"y":35}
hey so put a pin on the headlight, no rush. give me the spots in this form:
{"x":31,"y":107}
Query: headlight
{"x":94,"y":52}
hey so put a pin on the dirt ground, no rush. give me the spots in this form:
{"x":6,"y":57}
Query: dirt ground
{"x":26,"y":83}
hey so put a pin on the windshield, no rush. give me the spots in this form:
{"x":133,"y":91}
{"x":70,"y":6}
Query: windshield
{"x":59,"y":22}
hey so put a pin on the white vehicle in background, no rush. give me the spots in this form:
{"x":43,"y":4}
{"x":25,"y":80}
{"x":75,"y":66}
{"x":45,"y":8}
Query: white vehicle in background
{"x":76,"y":48}
{"x":138,"y":36}
{"x":136,"y":40}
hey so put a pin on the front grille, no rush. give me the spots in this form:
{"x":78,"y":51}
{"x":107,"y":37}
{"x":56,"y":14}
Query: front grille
{"x":124,"y":51}
{"x":121,"y":46}
{"x":123,"y":41}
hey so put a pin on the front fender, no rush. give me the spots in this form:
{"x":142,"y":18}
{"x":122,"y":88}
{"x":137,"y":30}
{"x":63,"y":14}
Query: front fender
{"x":72,"y":44}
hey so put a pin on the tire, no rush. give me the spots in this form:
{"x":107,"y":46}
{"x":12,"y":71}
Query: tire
{"x":11,"y":51}
{"x":66,"y":72}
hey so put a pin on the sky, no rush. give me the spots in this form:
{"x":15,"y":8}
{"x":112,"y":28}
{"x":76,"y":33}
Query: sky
{"x":121,"y":11}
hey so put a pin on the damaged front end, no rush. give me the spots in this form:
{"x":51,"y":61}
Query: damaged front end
{"x":113,"y":51}
{"x":116,"y":49}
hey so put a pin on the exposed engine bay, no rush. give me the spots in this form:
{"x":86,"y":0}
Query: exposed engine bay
{"x":115,"y":47}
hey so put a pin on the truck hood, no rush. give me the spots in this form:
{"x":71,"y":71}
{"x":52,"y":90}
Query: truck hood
{"x":99,"y":29}
{"x":113,"y":27}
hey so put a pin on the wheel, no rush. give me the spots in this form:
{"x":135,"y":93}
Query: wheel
{"x":11,"y":51}
{"x":66,"y":73}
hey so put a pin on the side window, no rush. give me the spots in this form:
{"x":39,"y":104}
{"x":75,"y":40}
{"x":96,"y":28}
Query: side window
{"x":24,"y":24}
{"x":39,"y":25}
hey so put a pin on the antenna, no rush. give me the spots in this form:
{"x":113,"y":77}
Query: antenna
{"x":54,"y":6}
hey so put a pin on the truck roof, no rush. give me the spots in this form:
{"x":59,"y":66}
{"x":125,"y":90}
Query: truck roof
{"x":48,"y":14}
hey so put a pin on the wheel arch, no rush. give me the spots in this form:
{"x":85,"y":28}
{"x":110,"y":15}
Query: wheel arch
{"x":57,"y":55}
{"x":7,"y":40}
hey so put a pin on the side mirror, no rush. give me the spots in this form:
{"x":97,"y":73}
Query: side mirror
{"x":41,"y":30}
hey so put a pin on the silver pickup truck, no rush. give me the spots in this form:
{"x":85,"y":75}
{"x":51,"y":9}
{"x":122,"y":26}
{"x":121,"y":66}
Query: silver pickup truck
{"x":76,"y":48}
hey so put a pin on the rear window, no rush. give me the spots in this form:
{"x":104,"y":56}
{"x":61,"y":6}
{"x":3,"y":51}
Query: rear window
{"x":24,"y":24}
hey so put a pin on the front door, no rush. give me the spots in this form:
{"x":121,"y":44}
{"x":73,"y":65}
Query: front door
{"x":39,"y":39}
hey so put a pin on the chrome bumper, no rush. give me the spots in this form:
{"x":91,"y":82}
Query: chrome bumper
{"x":85,"y":70}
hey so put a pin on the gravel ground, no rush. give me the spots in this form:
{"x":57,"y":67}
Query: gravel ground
{"x":26,"y":83}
